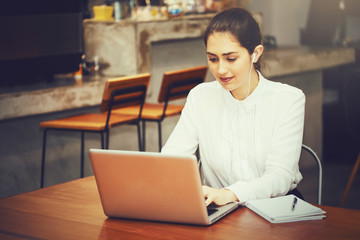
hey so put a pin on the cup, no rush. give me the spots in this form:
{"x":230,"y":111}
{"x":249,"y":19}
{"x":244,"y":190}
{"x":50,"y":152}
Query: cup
{"x":103,"y":13}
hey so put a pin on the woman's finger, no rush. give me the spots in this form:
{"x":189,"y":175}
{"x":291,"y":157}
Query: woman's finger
{"x":208,"y":201}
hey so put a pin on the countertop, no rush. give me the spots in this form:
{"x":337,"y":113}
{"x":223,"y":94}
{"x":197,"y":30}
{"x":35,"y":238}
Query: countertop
{"x":72,"y":93}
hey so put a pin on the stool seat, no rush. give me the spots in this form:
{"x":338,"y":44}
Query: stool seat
{"x":90,"y":122}
{"x":153,"y":111}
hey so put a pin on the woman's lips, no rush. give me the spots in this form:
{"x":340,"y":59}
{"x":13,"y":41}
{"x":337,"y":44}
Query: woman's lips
{"x":225,"y":79}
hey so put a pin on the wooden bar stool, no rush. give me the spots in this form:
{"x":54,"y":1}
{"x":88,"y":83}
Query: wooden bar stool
{"x":118,"y":93}
{"x":175,"y":85}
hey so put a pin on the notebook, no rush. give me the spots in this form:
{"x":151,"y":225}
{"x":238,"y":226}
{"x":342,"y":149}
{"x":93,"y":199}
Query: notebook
{"x":152,"y":186}
{"x":285,"y":209}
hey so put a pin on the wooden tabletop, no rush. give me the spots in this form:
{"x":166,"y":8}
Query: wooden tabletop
{"x":73,"y":210}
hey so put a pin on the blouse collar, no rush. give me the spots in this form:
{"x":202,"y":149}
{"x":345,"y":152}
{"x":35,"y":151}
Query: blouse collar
{"x":248,"y":103}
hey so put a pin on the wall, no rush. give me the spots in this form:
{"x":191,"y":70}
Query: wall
{"x":282,"y":19}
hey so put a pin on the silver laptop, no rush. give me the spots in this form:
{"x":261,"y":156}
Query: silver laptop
{"x":153,"y":186}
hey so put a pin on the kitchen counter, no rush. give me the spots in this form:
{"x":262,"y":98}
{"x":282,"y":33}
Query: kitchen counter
{"x":88,"y":91}
{"x":294,"y":60}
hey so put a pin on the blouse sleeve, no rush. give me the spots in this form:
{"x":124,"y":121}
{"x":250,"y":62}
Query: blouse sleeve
{"x":281,"y":163}
{"x":184,"y":138}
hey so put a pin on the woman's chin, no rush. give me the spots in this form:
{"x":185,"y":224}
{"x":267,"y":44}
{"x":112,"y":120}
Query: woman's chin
{"x":226,"y":85}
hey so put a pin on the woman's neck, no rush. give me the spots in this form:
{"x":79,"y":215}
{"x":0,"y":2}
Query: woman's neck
{"x":244,"y":92}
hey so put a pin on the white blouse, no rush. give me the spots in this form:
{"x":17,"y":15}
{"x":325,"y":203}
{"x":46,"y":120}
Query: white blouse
{"x":251,"y":147}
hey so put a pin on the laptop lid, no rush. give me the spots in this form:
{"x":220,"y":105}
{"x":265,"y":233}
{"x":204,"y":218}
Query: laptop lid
{"x":151,"y":186}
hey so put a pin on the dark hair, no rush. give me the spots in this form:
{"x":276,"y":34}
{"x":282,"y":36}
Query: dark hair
{"x":241,"y":24}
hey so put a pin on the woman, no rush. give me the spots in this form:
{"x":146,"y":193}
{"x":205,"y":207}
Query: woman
{"x":248,"y":129}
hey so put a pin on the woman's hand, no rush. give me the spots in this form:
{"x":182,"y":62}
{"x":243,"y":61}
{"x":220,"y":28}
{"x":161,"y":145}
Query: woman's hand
{"x":218,"y":196}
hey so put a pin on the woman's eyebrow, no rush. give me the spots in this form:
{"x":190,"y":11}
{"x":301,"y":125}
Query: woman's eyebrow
{"x":211,"y":53}
{"x":228,"y":53}
{"x":224,"y":54}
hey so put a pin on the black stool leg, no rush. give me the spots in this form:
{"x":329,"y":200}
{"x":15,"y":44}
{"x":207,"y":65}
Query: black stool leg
{"x":82,"y":155}
{"x":107,"y":139}
{"x":160,"y":140}
{"x":43,"y":160}
{"x":139,"y":136}
{"x":144,"y":135}
{"x":102,"y":140}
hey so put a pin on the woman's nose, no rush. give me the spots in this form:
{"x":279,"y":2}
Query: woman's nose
{"x":222,"y":68}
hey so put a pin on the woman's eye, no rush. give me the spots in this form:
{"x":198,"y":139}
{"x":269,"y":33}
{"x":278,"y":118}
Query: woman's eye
{"x":231,"y":59}
{"x":212,"y":59}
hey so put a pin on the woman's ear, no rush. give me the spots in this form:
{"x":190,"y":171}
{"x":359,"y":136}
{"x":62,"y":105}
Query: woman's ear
{"x":258,"y":51}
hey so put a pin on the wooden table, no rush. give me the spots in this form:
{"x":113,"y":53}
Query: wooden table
{"x":73,"y":210}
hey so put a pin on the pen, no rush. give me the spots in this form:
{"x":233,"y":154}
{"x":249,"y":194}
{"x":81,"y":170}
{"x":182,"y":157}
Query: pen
{"x":294,"y":204}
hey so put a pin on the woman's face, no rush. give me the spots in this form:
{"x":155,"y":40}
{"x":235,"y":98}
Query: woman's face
{"x":229,"y":62}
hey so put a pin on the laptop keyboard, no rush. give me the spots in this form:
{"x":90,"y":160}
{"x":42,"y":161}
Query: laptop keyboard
{"x":211,"y":211}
